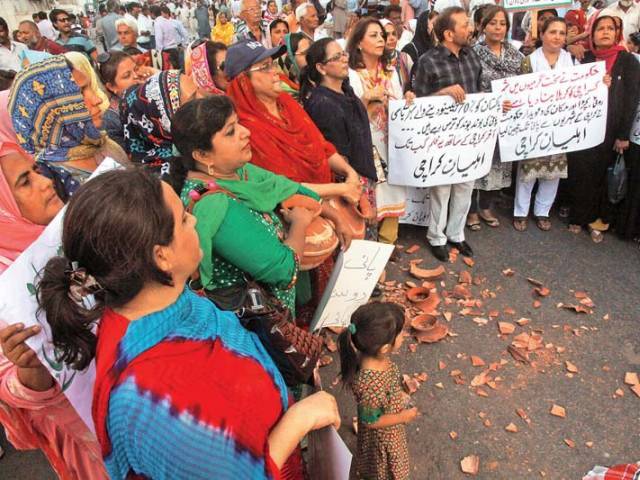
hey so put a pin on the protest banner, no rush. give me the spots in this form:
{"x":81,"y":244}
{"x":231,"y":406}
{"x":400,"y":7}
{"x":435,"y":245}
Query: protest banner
{"x":519,"y":5}
{"x":353,"y":279}
{"x":417,"y":207}
{"x":18,"y":304}
{"x":436,"y":141}
{"x":555,"y":111}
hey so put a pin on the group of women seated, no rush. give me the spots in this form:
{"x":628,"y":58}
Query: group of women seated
{"x":211,"y":157}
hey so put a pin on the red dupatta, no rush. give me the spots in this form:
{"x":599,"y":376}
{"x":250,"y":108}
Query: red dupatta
{"x":292,"y":146}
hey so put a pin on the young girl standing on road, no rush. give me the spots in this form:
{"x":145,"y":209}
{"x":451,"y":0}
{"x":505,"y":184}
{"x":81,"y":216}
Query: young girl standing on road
{"x":376,"y":331}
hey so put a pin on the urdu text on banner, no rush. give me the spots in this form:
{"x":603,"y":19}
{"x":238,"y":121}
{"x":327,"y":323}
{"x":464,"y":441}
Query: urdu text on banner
{"x":436,"y":141}
{"x":515,"y":5}
{"x":553,"y":112}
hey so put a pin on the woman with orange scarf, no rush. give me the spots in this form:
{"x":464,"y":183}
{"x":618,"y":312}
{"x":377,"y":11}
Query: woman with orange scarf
{"x":284,"y":139}
{"x":588,"y":168}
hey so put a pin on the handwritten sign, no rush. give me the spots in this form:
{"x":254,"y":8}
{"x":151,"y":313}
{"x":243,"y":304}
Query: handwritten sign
{"x":634,"y":136}
{"x":417,"y":207}
{"x":553,"y":112}
{"x":18,"y":303}
{"x":353,"y":279}
{"x":517,"y":5}
{"x":436,"y":141}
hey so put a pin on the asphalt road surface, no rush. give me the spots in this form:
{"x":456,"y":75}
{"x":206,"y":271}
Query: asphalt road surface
{"x":600,"y":427}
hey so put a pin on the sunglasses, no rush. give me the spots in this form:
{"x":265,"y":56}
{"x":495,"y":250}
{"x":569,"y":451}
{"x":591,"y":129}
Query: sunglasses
{"x":266,"y":68}
{"x":63,"y":20}
{"x":336,"y":57}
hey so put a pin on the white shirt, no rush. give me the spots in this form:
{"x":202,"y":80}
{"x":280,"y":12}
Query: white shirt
{"x":10,"y":57}
{"x":145,"y":24}
{"x":630,"y":18}
{"x":47,"y":30}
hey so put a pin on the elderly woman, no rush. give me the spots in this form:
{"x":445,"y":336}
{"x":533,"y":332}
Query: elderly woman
{"x":587,"y":182}
{"x":56,"y":106}
{"x":141,"y":248}
{"x":284,"y":140}
{"x":33,"y":410}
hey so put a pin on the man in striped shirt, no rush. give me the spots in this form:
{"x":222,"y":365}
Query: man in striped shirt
{"x":72,"y":42}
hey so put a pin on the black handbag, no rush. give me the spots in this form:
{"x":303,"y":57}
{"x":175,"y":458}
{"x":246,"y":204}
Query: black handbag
{"x":295,"y":351}
{"x":617,"y":179}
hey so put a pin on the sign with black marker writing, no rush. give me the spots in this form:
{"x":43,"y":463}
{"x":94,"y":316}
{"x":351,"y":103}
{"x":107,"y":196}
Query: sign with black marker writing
{"x":436,"y":141}
{"x":518,"y":5}
{"x":354,"y":277}
{"x":416,"y":210}
{"x":553,"y":112}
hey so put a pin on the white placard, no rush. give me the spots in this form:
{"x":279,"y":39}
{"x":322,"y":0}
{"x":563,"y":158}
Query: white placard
{"x":634,"y":136}
{"x":353,"y":279}
{"x":329,"y":456}
{"x":18,"y":304}
{"x":436,"y":141}
{"x":518,"y":5}
{"x":553,"y":112}
{"x":417,"y":207}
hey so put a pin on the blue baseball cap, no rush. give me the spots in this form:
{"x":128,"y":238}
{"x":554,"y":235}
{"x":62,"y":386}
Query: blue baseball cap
{"x":241,"y":55}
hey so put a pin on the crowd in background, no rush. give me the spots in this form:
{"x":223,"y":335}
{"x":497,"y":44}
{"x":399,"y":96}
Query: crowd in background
{"x":243,"y":126}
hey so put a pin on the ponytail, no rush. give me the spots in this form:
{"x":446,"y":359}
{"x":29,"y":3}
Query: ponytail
{"x":349,"y":361}
{"x":71,"y":323}
{"x":111,"y":226}
{"x":373,"y":326}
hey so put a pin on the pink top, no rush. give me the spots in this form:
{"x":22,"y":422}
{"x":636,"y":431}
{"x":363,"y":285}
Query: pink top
{"x":46,"y":420}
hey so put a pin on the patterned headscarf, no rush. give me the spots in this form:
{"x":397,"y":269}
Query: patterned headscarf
{"x":201,"y":72}
{"x":146,"y":112}
{"x":49,"y":115}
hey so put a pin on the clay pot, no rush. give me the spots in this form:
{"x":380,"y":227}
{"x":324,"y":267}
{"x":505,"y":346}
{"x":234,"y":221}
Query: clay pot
{"x":428,"y":329}
{"x":425,"y":299}
{"x":320,"y":237}
{"x":319,"y":243}
{"x":350,"y":216}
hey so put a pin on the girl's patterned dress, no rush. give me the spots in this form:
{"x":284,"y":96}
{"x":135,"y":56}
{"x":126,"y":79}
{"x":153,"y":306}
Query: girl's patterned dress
{"x":383,"y":453}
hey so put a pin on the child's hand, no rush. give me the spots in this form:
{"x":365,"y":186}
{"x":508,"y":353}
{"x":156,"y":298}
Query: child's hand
{"x":410,"y":414}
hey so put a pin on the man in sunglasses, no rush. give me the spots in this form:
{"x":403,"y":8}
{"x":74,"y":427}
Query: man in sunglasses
{"x":72,"y":42}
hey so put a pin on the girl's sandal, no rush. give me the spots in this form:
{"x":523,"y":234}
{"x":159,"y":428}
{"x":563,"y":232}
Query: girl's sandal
{"x":520,"y":223}
{"x":596,"y":235}
{"x":543,"y":223}
{"x":575,"y":228}
{"x":490,"y":220}
{"x":473,"y":222}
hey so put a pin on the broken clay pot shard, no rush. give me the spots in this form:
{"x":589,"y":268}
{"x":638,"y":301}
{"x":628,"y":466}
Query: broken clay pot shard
{"x":425,"y":274}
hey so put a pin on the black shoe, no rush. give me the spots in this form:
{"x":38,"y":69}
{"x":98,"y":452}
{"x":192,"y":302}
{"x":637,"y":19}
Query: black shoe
{"x":441,"y":252}
{"x":463,"y":247}
{"x":377,"y":292}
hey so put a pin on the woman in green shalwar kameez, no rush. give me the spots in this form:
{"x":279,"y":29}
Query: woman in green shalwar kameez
{"x":240,"y":233}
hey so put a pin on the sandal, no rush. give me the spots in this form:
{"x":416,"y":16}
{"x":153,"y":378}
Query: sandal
{"x":473,"y":222}
{"x":520,"y":223}
{"x":596,"y":235}
{"x":543,"y":223}
{"x":489,"y":219}
{"x":573,"y":228}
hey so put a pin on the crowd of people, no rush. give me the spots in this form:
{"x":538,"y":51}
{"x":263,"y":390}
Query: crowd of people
{"x":241,"y":128}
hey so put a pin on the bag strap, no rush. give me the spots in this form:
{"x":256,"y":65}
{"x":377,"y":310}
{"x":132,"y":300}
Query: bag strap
{"x":201,"y":191}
